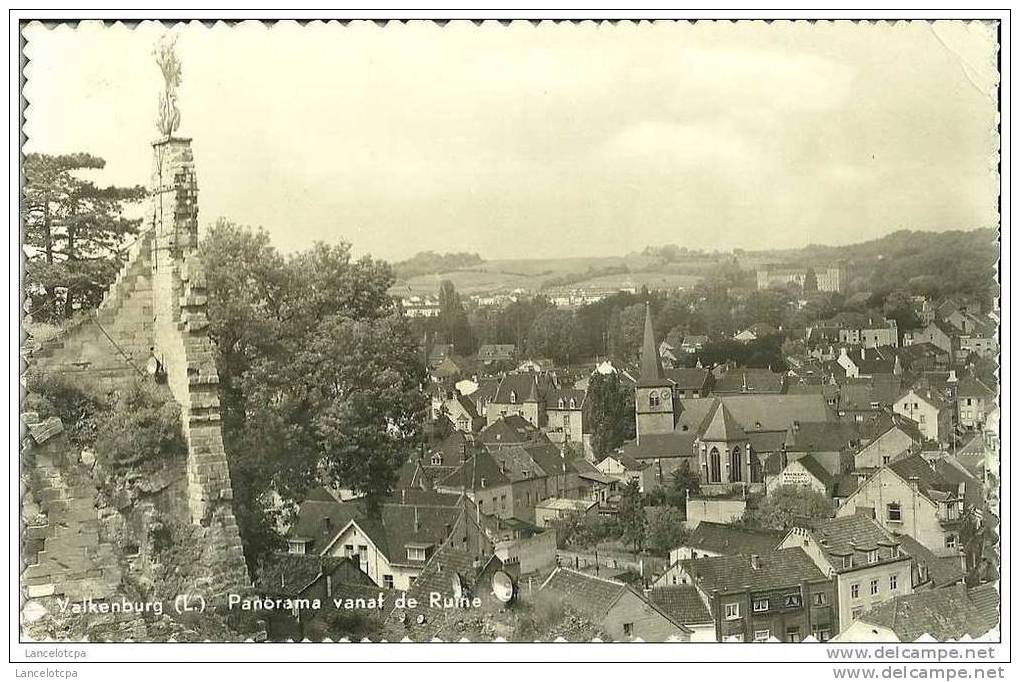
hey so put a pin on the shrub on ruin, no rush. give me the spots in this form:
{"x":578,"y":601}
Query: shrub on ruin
{"x":75,"y":403}
{"x":142,"y":425}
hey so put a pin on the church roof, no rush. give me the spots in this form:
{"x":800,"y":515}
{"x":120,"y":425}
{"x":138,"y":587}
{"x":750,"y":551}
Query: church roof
{"x":651,"y":364}
{"x":723,"y":426}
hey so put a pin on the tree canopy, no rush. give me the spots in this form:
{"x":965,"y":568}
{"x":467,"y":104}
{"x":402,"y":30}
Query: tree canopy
{"x":73,"y":232}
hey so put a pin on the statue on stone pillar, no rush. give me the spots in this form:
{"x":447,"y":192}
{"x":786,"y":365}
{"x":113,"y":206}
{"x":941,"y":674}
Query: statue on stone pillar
{"x":168,"y":118}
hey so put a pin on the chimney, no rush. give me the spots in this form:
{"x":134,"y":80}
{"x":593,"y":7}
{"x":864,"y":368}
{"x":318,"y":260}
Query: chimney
{"x":417,"y":524}
{"x":755,"y":562}
{"x":862,"y":353}
{"x":796,"y":425}
{"x":952,"y":377}
{"x":913,"y":482}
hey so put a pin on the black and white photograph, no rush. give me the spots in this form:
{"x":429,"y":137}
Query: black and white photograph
{"x":361,"y":332}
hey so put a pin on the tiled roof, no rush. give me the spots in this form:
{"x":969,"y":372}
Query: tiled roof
{"x":775,"y":412}
{"x":523,"y":388}
{"x":481,"y":472}
{"x":722,"y":426}
{"x":946,"y":613}
{"x":972,"y":387}
{"x":688,"y":378}
{"x":591,"y":595}
{"x":288,"y":574}
{"x":940,"y":481}
{"x":553,"y":397}
{"x":942,"y":570}
{"x":842,"y":535}
{"x":661,"y":446}
{"x":816,"y":469}
{"x":490,"y":352}
{"x":506,"y":430}
{"x":391,"y":530}
{"x":778,"y":569}
{"x":682,"y":602}
{"x":726,"y":539}
{"x":821,"y":436}
{"x":749,"y":380}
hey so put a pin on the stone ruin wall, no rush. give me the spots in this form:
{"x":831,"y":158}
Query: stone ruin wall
{"x":156,"y":307}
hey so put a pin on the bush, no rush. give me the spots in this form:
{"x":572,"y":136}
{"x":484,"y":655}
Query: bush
{"x":52,"y":395}
{"x":144,"y":424}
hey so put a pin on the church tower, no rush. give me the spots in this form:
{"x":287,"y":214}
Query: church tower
{"x":655,"y":406}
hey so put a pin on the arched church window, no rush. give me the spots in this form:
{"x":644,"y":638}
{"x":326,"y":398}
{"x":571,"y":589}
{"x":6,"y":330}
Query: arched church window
{"x":736,"y":468}
{"x":714,"y":466}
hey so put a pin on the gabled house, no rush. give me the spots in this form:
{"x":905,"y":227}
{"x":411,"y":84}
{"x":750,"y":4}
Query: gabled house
{"x":781,"y":594}
{"x":620,"y":611}
{"x":934,"y":417}
{"x":946,"y":614}
{"x":974,"y":400}
{"x":899,"y":438}
{"x":565,"y":415}
{"x":624,"y":469}
{"x":926,"y":501}
{"x":939,"y":334}
{"x":808,"y":472}
{"x":508,"y":431}
{"x":492,"y":355}
{"x":722,"y":539}
{"x":683,"y":603}
{"x":390,"y":547}
{"x":865,"y":561}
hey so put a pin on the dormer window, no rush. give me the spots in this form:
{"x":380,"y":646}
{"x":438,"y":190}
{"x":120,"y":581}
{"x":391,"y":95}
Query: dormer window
{"x":437,"y":459}
{"x":873,"y":556}
{"x":561,"y":404}
{"x":653,"y":399}
{"x":573,"y":404}
{"x":416,"y":552}
{"x":848,"y":562}
{"x":513,"y":397}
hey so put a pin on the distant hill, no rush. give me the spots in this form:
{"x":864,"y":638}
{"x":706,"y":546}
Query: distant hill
{"x":431,"y":263}
{"x":933,"y":263}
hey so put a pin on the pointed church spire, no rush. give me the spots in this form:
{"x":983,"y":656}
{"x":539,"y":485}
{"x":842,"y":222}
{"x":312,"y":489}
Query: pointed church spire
{"x":651,"y":365}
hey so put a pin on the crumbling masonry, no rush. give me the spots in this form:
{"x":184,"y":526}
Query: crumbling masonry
{"x":156,"y":308}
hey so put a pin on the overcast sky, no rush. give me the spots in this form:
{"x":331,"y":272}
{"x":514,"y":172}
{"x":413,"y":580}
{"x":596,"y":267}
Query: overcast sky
{"x":555,"y":140}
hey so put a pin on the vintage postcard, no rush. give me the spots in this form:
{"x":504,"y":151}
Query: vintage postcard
{"x":511,"y":331}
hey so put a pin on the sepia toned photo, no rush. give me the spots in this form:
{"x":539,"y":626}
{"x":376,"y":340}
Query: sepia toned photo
{"x":510,"y":331}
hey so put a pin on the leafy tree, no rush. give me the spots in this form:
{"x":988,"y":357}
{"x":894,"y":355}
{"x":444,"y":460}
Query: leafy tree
{"x":789,"y":503}
{"x":900,"y":307}
{"x":810,"y":281}
{"x":320,"y":377}
{"x":627,"y":332}
{"x":633,"y":525}
{"x":555,"y":334}
{"x":611,"y":412}
{"x":665,"y":530}
{"x":453,"y":319}
{"x":73,"y":231}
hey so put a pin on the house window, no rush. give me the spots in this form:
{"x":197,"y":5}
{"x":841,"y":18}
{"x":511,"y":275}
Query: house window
{"x":886,"y":459}
{"x":820,"y":599}
{"x":822,"y":635}
{"x":734,"y":638}
{"x":760,"y":605}
{"x":437,"y":460}
{"x":791,"y":601}
{"x":573,"y":404}
{"x":732,"y":611}
{"x":855,"y":591}
{"x":874,"y":586}
{"x":513,"y":397}
{"x":762,"y":635}
{"x":628,"y":629}
{"x":873,"y":556}
{"x":387,"y":581}
{"x":653,"y":399}
{"x":950,"y":540}
{"x":920,"y":419}
{"x":848,"y":562}
{"x":856,"y":613}
{"x":416,"y":554}
{"x":893,"y":580}
{"x":893,"y":512}
{"x":348,"y":550}
{"x":363,"y":551}
{"x":793,"y":634}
